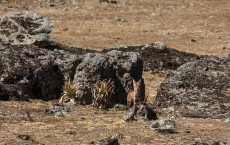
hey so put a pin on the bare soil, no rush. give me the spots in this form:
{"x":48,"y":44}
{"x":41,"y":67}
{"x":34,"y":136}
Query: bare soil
{"x":195,"y":26}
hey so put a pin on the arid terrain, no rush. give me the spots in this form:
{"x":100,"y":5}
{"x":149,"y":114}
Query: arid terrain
{"x":194,"y":26}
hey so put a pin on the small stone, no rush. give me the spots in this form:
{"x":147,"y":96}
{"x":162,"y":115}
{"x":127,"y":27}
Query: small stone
{"x":154,"y":14}
{"x":109,"y":1}
{"x":129,"y":117}
{"x":59,"y":114}
{"x":221,"y":143}
{"x":108,"y":141}
{"x":65,"y":9}
{"x":199,"y":143}
{"x":164,"y":126}
{"x":91,"y":142}
{"x":24,"y":138}
{"x":120,"y":107}
{"x":71,"y":132}
{"x":49,"y":112}
{"x":227,"y":120}
{"x":193,"y":40}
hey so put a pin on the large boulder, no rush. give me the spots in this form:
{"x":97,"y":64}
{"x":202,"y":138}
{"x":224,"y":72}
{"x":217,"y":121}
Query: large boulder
{"x":27,"y":71}
{"x":157,"y":57}
{"x":127,"y":66}
{"x":46,"y":70}
{"x":67,"y":62}
{"x":93,"y":67}
{"x":120,"y":67}
{"x":25,"y":28}
{"x":34,"y":66}
{"x":198,"y":89}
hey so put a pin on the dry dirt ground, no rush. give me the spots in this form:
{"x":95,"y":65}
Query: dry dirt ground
{"x":196,"y":26}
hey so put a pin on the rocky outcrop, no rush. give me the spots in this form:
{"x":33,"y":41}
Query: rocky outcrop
{"x":157,"y":57}
{"x":25,"y":28}
{"x":117,"y":66}
{"x":126,"y":66}
{"x":198,"y":89}
{"x":32,"y":66}
{"x":67,"y":62}
{"x":29,"y":71}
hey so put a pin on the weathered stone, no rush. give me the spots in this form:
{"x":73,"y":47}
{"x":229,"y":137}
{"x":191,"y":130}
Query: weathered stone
{"x":198,"y":89}
{"x":22,"y":137}
{"x":115,"y":65}
{"x":25,"y":28}
{"x":129,"y":116}
{"x":108,"y":141}
{"x":164,"y":126}
{"x":126,"y":66}
{"x":199,"y":143}
{"x":28,"y":70}
{"x":145,"y":111}
{"x":142,"y":111}
{"x":108,"y":1}
{"x":157,"y":57}
{"x":58,"y":110}
{"x":93,"y":67}
{"x":221,"y":143}
{"x":120,"y":107}
{"x":67,"y":63}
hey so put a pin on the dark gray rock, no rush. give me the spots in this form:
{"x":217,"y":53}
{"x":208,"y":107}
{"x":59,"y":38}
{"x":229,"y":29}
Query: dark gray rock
{"x":129,"y":116}
{"x":58,"y":110}
{"x":221,"y":143}
{"x":115,"y":65}
{"x":93,"y":67}
{"x":108,"y":1}
{"x":29,"y":71}
{"x":22,"y":137}
{"x":108,"y":141}
{"x":25,"y":28}
{"x":120,"y":107}
{"x":142,"y":111}
{"x":126,"y":66}
{"x":164,"y":126}
{"x":145,"y":111}
{"x":67,"y":63}
{"x":198,"y":89}
{"x":157,"y":57}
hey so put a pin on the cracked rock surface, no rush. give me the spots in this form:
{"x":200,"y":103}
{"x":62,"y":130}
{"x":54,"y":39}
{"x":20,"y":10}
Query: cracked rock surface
{"x":198,"y":89}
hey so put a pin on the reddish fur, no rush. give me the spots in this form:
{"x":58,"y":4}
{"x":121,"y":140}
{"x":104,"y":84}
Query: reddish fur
{"x":133,"y":98}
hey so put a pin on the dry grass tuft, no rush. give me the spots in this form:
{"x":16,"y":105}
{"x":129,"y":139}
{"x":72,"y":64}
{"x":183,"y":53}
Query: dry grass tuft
{"x":102,"y":91}
{"x":69,"y":91}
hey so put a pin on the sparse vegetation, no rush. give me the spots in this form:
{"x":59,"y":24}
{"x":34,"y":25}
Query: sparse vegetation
{"x":69,"y":91}
{"x":102,"y":91}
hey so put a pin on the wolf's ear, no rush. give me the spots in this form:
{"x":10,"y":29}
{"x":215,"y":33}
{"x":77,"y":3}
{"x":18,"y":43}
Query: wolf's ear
{"x":140,"y":81}
{"x":134,"y":81}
